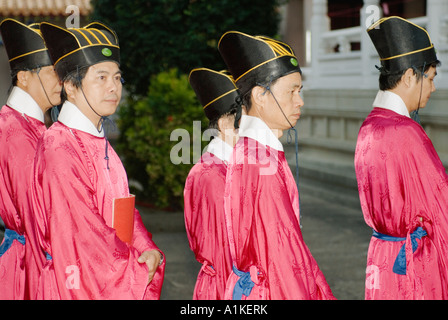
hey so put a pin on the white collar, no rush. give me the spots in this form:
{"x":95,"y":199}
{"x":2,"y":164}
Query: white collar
{"x":391,"y":101}
{"x":257,"y":129}
{"x":73,"y":118}
{"x":22,"y":102}
{"x":220,"y":148}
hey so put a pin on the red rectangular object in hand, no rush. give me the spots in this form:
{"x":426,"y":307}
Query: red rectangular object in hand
{"x":123,"y":217}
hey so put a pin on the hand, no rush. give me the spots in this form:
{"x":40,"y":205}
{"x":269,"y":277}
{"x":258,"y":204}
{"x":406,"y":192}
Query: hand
{"x":152,"y":259}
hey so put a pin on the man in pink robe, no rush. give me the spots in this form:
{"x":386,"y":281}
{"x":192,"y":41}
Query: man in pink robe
{"x":77,"y":176}
{"x":270,"y":257}
{"x":403,"y":185}
{"x":36,"y":88}
{"x":204,"y":186}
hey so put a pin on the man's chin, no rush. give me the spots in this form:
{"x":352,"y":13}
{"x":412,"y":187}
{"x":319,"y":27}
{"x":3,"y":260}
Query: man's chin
{"x":294,"y":121}
{"x":423,"y":105}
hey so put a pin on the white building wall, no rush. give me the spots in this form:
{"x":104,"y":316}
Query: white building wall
{"x":339,"y":88}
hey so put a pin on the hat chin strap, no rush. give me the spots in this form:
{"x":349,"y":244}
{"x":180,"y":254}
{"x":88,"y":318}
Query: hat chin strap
{"x":239,"y":111}
{"x":100,"y":124}
{"x":288,"y":140}
{"x":42,"y":85}
{"x":268,"y":88}
{"x":415,"y":115}
{"x":101,"y":121}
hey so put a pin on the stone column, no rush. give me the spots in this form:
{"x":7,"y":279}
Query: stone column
{"x":370,"y":12}
{"x":320,"y":23}
{"x":437,"y":11}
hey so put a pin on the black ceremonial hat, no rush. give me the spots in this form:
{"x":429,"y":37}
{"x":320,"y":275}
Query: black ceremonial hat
{"x":254,"y":60}
{"x":24,"y":45}
{"x":75,"y":48}
{"x":215,"y":90}
{"x":401,"y":44}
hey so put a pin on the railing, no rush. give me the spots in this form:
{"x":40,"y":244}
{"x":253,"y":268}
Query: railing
{"x":346,"y":58}
{"x":340,"y":86}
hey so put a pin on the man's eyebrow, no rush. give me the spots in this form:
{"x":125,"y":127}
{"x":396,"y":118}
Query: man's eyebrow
{"x":107,"y":72}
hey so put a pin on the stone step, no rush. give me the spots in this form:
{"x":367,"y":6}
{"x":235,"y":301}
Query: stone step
{"x":330,"y":178}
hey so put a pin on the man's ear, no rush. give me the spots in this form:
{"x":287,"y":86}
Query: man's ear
{"x":408,"y":77}
{"x":23,"y":78}
{"x":226,"y":122}
{"x":258,"y":95}
{"x":221,"y":124}
{"x":69,"y":89}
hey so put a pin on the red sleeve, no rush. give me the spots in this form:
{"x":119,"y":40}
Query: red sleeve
{"x":76,"y":235}
{"x":259,"y":198}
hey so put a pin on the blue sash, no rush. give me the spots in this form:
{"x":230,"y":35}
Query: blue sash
{"x":244,"y":284}
{"x":400,"y":262}
{"x":10,"y":236}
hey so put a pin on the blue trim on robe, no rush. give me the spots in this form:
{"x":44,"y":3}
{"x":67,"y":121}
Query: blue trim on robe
{"x":244,"y":284}
{"x":400,"y":262}
{"x":10,"y":236}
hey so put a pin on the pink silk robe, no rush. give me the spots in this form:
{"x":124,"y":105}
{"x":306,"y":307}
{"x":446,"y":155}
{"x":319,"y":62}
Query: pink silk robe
{"x":72,"y":194}
{"x":18,"y":139}
{"x":262,"y":205}
{"x":205,"y":225}
{"x":402,"y":185}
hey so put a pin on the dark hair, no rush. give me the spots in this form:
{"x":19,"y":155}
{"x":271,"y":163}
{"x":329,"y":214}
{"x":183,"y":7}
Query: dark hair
{"x":13,"y":83}
{"x":213,"y":123}
{"x":247,"y":101}
{"x":14,"y":78}
{"x":15,"y":72}
{"x":75,"y":78}
{"x":246,"y":98}
{"x":388,"y":81}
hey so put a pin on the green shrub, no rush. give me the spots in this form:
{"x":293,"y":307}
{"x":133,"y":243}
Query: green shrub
{"x":144,"y":143}
{"x":156,"y":35}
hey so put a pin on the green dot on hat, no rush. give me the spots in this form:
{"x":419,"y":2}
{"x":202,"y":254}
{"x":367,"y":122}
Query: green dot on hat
{"x":256,"y":59}
{"x":106,"y":52}
{"x":74,"y":48}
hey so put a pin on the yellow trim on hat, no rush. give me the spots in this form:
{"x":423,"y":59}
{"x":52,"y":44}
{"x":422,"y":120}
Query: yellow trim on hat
{"x":65,"y":30}
{"x":34,"y":29}
{"x":105,"y":27}
{"x":79,"y":30}
{"x":37,"y":31}
{"x":221,"y":96}
{"x":251,"y":69}
{"x":82,"y":30}
{"x":221,"y":73}
{"x":80,"y":48}
{"x":407,"y":53}
{"x":276,"y":46}
{"x":107,"y":39}
{"x":258,"y":38}
{"x":376,"y":24}
{"x":28,"y":53}
{"x":93,"y":35}
{"x":380,"y":21}
{"x":29,"y":26}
